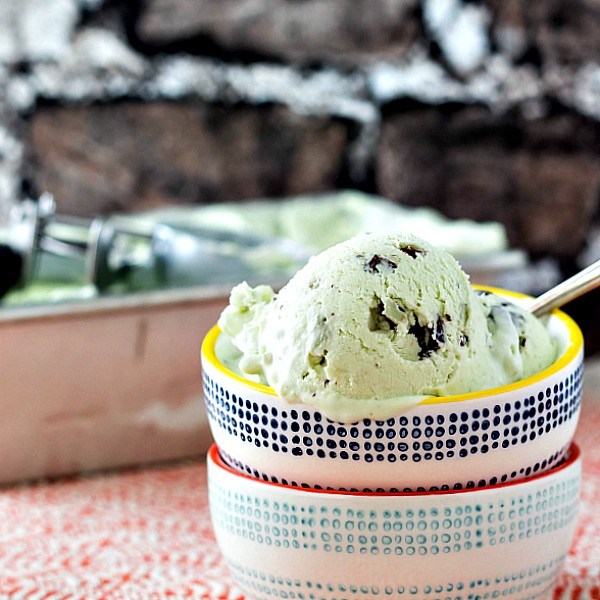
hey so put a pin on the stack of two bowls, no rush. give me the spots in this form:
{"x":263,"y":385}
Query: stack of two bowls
{"x":459,"y":497}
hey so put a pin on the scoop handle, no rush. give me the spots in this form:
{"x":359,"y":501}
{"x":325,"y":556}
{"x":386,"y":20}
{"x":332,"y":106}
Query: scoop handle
{"x":577,"y":285}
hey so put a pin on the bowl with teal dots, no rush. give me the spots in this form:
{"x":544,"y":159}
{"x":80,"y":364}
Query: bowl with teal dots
{"x":507,"y":540}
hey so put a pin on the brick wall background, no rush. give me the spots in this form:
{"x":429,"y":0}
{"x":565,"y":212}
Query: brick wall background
{"x":486,"y":109}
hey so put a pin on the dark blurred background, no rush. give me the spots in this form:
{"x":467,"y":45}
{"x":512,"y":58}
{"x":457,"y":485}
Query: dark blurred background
{"x":482,"y":109}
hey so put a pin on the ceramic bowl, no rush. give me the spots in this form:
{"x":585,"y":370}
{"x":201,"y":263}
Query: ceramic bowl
{"x":453,"y":442}
{"x":503,"y":541}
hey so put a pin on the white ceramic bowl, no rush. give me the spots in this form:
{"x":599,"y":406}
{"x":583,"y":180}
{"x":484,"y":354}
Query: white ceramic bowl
{"x":504,"y":541}
{"x":453,"y":442}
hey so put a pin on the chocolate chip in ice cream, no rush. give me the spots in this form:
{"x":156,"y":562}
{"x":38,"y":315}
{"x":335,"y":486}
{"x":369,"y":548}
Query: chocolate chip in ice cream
{"x":429,"y":338}
{"x":412,"y":251}
{"x":376,"y":263}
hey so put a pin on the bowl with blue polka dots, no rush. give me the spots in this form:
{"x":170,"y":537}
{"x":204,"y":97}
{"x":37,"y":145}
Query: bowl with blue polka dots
{"x":505,"y":541}
{"x":471,"y":440}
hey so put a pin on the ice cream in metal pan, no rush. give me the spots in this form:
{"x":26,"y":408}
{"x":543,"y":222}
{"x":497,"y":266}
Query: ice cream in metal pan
{"x":72,"y":258}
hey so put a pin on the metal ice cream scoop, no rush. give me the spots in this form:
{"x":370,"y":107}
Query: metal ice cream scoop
{"x":577,"y":285}
{"x":59,"y":247}
{"x":138,"y":255}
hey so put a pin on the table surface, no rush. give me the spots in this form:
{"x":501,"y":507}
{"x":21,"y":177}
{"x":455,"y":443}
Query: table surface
{"x":146,"y":532}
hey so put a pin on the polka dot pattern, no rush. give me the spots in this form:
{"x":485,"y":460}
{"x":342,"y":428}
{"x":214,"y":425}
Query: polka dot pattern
{"x":434,"y":436}
{"x":435,"y":529}
{"x":494,"y":532}
{"x":525,"y":583}
{"x":551,"y":461}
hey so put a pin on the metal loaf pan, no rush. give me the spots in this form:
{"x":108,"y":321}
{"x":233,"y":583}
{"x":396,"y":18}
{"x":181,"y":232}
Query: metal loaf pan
{"x":104,"y":383}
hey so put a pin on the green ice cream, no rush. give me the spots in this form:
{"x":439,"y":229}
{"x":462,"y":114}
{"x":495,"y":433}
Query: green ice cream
{"x":520,"y":345}
{"x":318,"y":221}
{"x":377,"y":323}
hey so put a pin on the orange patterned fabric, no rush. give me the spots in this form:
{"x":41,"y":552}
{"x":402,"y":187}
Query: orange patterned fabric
{"x":580,"y":579}
{"x":146,"y":534}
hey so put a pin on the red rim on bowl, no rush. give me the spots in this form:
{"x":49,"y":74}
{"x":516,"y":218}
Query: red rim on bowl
{"x":573,"y":454}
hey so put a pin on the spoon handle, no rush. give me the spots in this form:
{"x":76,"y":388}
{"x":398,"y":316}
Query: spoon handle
{"x":571,"y":288}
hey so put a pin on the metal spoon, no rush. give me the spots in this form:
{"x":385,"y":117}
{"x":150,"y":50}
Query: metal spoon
{"x":571,"y":288}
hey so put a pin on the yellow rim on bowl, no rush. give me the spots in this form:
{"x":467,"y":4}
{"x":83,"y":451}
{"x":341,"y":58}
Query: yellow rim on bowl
{"x":210,"y":354}
{"x":574,"y":347}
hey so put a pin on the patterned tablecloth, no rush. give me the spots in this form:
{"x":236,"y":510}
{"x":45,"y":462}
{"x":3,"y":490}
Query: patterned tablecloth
{"x":146,"y":533}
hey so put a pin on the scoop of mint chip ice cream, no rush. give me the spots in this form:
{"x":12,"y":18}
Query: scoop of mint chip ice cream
{"x":377,"y":323}
{"x":519,"y":343}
